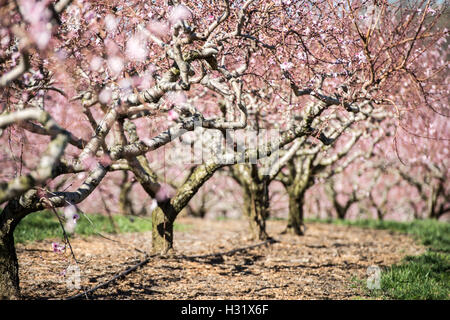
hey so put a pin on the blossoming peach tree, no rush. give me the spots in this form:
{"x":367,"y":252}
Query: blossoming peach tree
{"x":90,"y":90}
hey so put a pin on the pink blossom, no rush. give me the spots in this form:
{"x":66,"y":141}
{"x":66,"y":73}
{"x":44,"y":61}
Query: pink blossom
{"x":15,"y":56}
{"x":81,"y":176}
{"x":180,"y":12}
{"x":96,"y":63}
{"x":163,"y":193}
{"x":105,"y":96}
{"x":137,"y":48}
{"x":42,"y":37}
{"x":432,"y":11}
{"x":58,"y":248}
{"x":361,"y":57}
{"x":61,"y":55}
{"x":115,"y":64}
{"x":172,"y":115}
{"x":112,"y":48}
{"x":38,"y":15}
{"x":125,"y":83}
{"x":35,"y":12}
{"x":153,"y":205}
{"x":286,"y":65}
{"x":110,"y":23}
{"x":177,"y":97}
{"x":89,"y":16}
{"x":71,"y":216}
{"x":158,"y":28}
{"x":144,"y":82}
{"x":70,"y":211}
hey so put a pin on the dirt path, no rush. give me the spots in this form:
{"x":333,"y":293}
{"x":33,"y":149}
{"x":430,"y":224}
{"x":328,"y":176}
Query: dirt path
{"x":319,"y":265}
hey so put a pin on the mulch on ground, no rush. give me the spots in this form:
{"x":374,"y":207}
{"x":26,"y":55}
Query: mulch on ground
{"x":322,"y":264}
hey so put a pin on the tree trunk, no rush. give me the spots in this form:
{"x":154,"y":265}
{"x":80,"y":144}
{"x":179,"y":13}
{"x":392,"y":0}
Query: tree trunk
{"x":295,"y":218}
{"x":9,"y":265}
{"x":341,"y":211}
{"x":380,"y":214}
{"x":165,"y":214}
{"x":432,"y":200}
{"x":257,"y":211}
{"x":162,"y":232}
{"x":125,"y":204}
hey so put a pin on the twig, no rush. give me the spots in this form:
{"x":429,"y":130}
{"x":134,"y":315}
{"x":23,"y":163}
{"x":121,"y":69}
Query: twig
{"x":107,"y":283}
{"x":147,"y":260}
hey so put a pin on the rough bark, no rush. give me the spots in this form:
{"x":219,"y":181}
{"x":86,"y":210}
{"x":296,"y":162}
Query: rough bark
{"x":256,"y":209}
{"x":164,"y":216}
{"x":162,"y":232}
{"x":295,"y":223}
{"x":162,"y":229}
{"x":9,"y":266}
{"x":431,"y":206}
{"x":380,"y":214}
{"x":10,"y":217}
{"x":125,"y":204}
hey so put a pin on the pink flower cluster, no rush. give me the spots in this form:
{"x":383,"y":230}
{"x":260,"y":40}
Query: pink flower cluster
{"x":71,"y":215}
{"x":37,"y":14}
{"x":180,"y":12}
{"x":58,"y":248}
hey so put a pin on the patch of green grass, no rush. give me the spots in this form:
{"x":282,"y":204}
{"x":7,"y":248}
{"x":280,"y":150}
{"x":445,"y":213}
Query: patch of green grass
{"x":276,"y":219}
{"x":43,"y":225}
{"x":426,"y":276}
{"x":37,"y":226}
{"x":355,"y":282}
